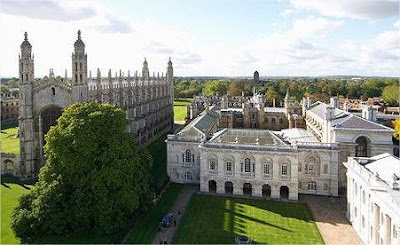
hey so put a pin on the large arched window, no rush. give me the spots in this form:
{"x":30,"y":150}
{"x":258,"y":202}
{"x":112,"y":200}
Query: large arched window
{"x":362,"y":148}
{"x":311,"y":166}
{"x":247,"y":165}
{"x":188,"y":156}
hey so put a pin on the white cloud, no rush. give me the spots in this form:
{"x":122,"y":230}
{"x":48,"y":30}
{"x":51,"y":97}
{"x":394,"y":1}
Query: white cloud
{"x":286,"y":12}
{"x":357,"y":9}
{"x":47,"y":10}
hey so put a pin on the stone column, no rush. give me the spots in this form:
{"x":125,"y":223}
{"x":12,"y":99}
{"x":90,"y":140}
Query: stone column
{"x":275,"y":191}
{"x":293,"y":191}
{"x":256,"y":190}
{"x":220,"y":187}
{"x":41,"y":138}
{"x":237,"y":188}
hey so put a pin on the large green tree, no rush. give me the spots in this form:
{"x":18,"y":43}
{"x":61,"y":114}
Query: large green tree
{"x":94,"y":179}
{"x":216,"y":87}
{"x":390,"y":94}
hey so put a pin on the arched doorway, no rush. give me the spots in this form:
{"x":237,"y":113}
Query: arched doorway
{"x":48,"y":117}
{"x":212,"y":186}
{"x":363,"y":147}
{"x":284,"y":192}
{"x":266,"y":190}
{"x":247,"y":189}
{"x":228,"y":188}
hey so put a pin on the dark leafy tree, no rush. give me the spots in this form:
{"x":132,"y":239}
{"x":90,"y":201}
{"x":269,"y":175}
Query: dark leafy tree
{"x":94,"y":180}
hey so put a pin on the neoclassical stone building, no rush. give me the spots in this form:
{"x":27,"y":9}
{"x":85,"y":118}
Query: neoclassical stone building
{"x":373,"y":198}
{"x":147,"y":100}
{"x":276,"y":164}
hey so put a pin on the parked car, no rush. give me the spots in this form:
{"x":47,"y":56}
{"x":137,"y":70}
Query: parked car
{"x":167,"y":220}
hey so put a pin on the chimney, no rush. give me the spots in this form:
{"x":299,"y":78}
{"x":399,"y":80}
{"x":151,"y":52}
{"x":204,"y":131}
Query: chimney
{"x":334,"y":102}
{"x":369,"y":112}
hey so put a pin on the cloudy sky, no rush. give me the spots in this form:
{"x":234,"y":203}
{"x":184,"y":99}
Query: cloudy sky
{"x":207,"y":37}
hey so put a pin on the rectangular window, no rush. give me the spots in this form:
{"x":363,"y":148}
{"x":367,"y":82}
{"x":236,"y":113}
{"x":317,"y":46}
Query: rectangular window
{"x":325,"y":168}
{"x":229,"y":166}
{"x":363,"y":221}
{"x":266,"y":169}
{"x":247,"y":167}
{"x":284,"y":170}
{"x":212,"y":165}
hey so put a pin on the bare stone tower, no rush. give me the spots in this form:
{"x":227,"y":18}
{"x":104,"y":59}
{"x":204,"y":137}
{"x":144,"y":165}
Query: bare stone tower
{"x":79,"y":71}
{"x":256,"y":77}
{"x":26,"y":125}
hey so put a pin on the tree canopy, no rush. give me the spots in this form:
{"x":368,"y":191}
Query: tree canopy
{"x":94,"y":179}
{"x":390,"y":94}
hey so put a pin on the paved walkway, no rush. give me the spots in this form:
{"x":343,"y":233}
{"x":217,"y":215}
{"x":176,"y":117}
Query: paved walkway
{"x":330,"y":216}
{"x":179,"y":207}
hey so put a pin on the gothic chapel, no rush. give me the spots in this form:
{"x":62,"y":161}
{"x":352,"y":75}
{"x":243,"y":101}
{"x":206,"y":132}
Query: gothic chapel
{"x":148,"y":101}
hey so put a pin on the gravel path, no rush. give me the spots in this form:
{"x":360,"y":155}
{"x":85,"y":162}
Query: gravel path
{"x":330,"y":216}
{"x":177,"y":210}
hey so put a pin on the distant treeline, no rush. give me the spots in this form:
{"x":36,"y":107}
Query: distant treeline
{"x":315,"y":88}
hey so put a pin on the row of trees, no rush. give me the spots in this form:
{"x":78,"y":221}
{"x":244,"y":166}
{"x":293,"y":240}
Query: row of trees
{"x":319,"y":89}
{"x":94,"y":181}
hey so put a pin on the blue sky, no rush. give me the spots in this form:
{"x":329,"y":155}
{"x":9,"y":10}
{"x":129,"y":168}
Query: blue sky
{"x":208,"y":37}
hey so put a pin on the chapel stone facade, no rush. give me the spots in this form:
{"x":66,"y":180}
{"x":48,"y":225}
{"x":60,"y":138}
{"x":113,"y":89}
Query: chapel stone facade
{"x":147,"y":101}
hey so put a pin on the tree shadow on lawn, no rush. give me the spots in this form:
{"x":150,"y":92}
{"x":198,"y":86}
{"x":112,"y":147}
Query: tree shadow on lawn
{"x":299,"y":211}
{"x":9,"y":179}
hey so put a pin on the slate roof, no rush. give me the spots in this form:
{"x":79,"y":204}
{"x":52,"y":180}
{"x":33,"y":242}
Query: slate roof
{"x":204,"y":123}
{"x":345,"y":120}
{"x":297,"y":134}
{"x":247,"y":137}
{"x":386,"y":165}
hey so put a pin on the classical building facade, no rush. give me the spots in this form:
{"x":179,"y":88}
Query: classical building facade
{"x":147,"y":100}
{"x":373,"y":198}
{"x":233,"y":158}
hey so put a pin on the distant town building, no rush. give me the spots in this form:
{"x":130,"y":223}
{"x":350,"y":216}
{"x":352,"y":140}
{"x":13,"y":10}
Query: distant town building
{"x":9,"y":108}
{"x":373,"y":198}
{"x":256,"y":77}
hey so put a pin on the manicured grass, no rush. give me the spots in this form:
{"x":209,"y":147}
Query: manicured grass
{"x":9,"y":143}
{"x":180,"y":113}
{"x":213,"y":220}
{"x":181,"y":103}
{"x":146,"y":226}
{"x":158,"y":151}
{"x":180,"y":110}
{"x":9,"y":198}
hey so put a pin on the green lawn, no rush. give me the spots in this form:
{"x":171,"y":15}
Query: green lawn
{"x":181,"y":103}
{"x":180,"y":110}
{"x":9,"y":199}
{"x":9,"y":143}
{"x":213,"y":220}
{"x":146,"y":226}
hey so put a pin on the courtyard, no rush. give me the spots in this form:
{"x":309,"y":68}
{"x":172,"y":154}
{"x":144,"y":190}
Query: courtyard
{"x":214,"y":219}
